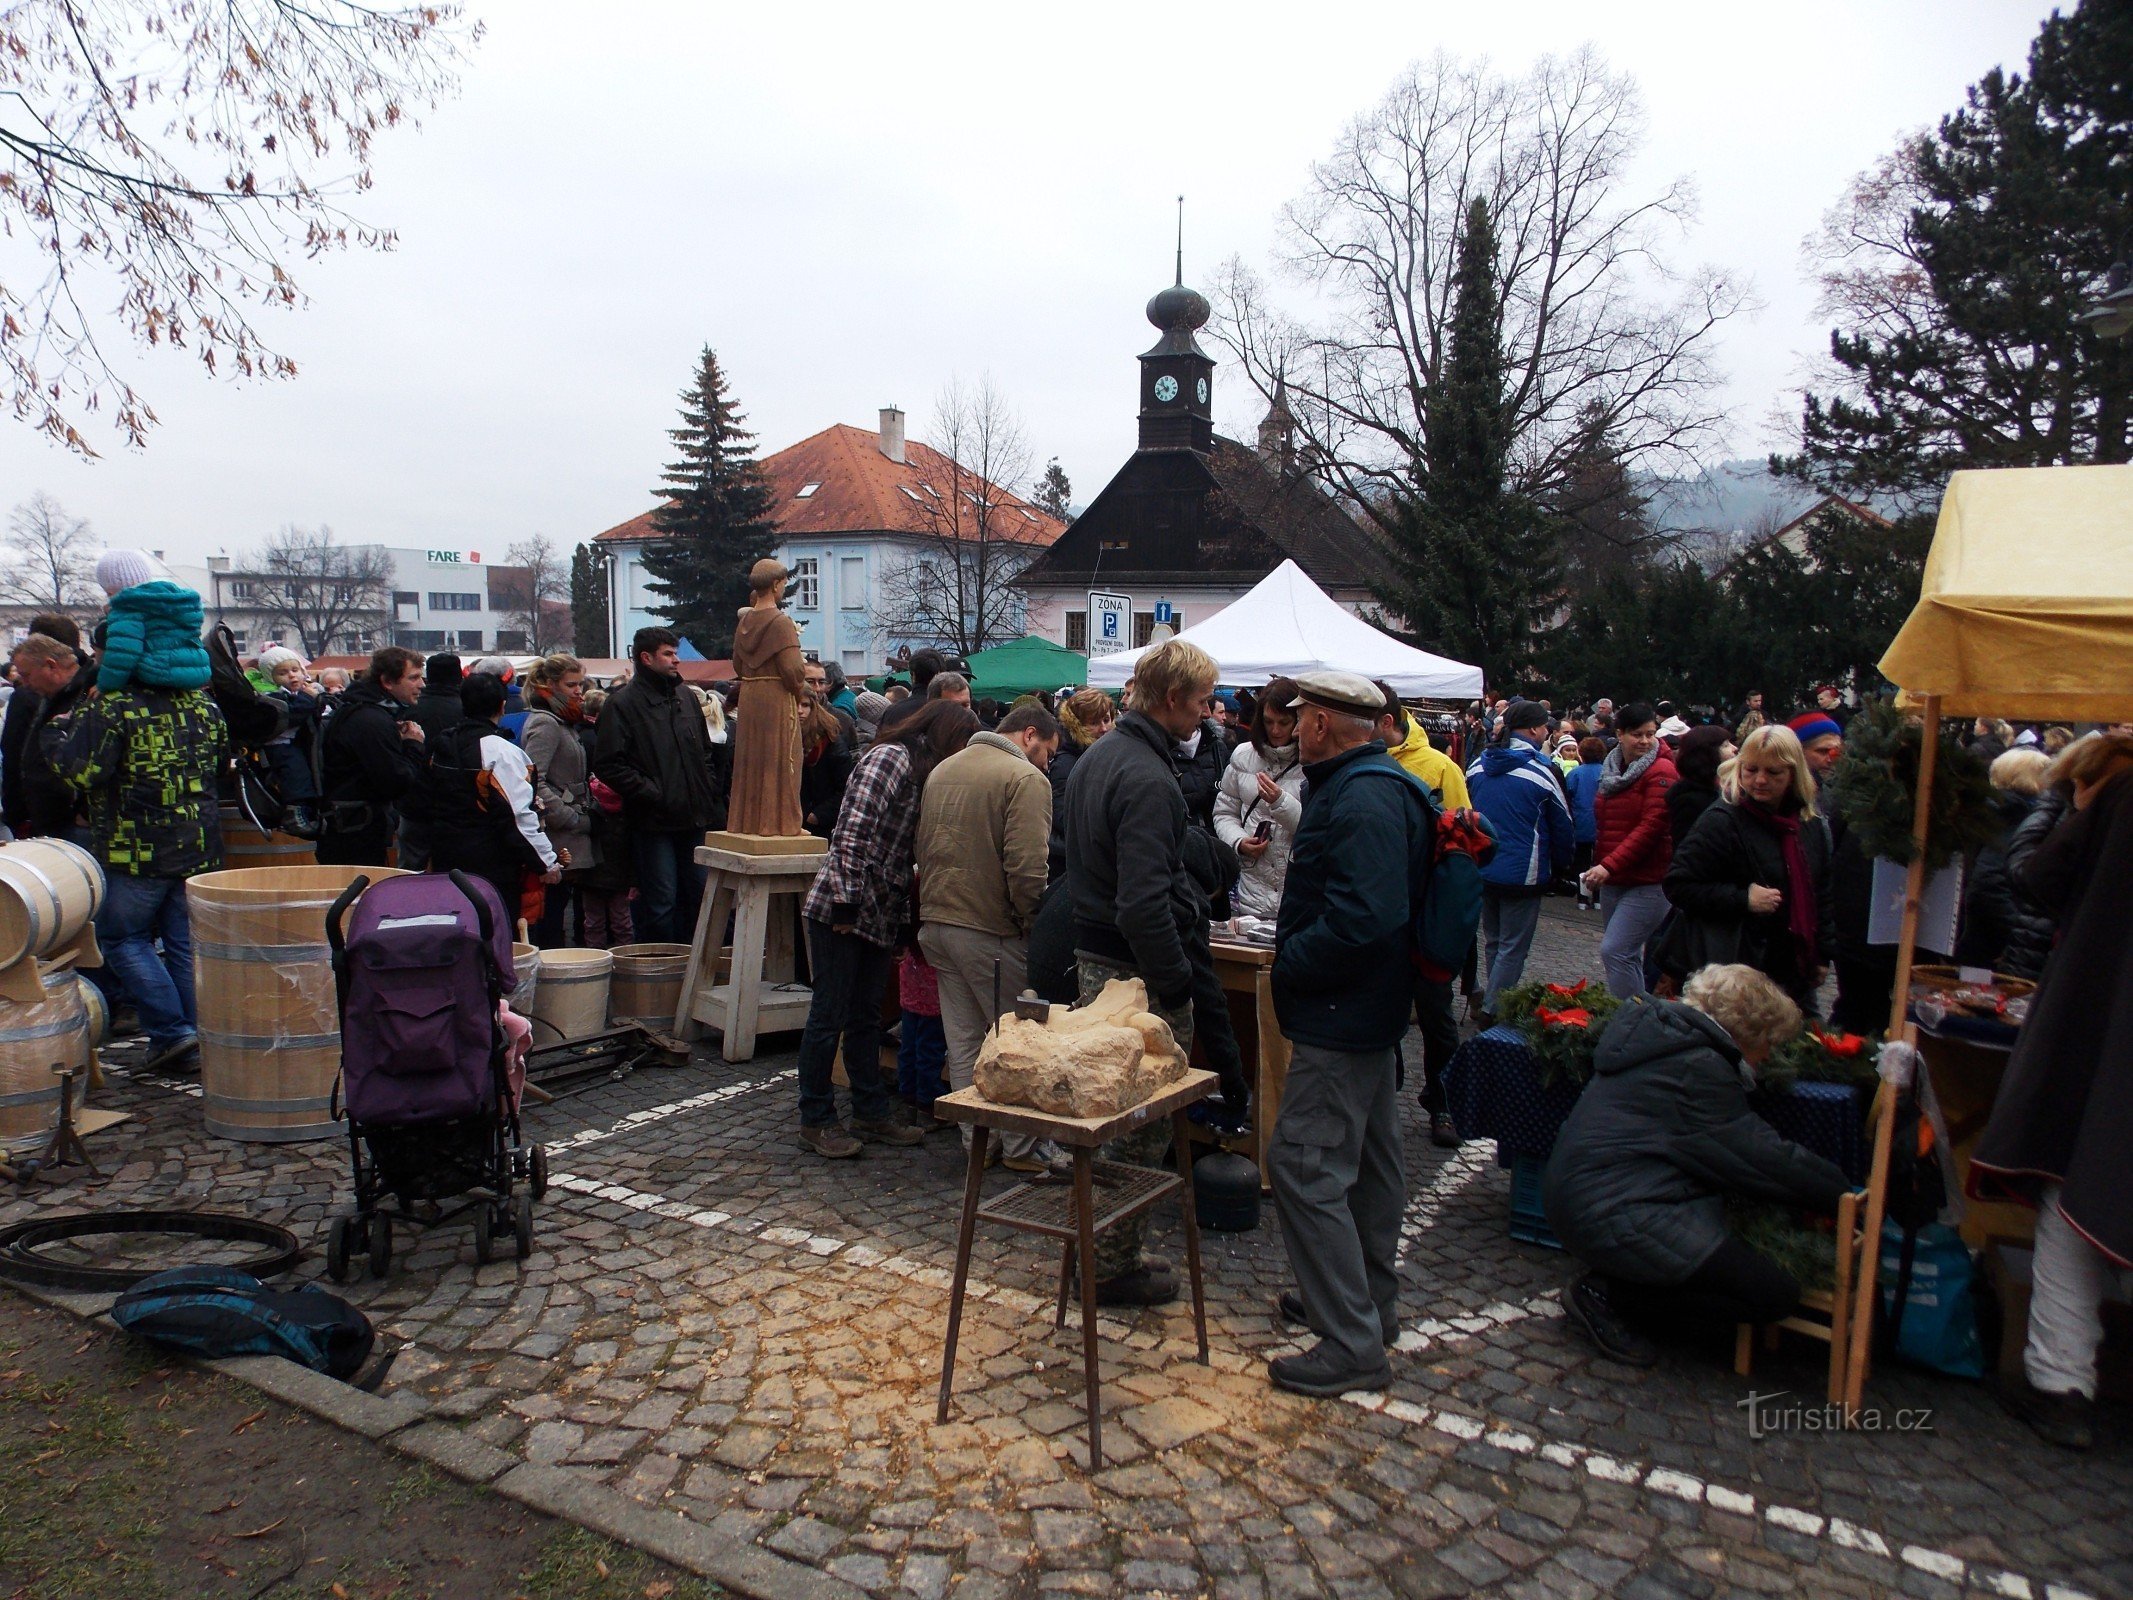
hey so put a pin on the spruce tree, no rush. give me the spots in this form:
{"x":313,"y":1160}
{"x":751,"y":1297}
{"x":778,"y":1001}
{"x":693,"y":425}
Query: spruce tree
{"x":588,"y":603}
{"x":1474,"y":563}
{"x":2020,"y":204}
{"x":1054,"y":493}
{"x":714,"y":520}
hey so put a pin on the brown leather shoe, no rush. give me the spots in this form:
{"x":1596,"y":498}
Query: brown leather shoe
{"x":831,"y":1141}
{"x":887,"y":1131}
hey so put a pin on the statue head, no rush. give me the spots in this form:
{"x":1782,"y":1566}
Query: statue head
{"x":766,"y":576}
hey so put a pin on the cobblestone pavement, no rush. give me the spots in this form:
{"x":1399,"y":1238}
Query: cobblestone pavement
{"x":716,"y":1322}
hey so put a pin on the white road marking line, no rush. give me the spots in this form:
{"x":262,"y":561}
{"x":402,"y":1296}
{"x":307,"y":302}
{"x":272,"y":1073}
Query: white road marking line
{"x":1460,"y":1169}
{"x":673,"y":1108}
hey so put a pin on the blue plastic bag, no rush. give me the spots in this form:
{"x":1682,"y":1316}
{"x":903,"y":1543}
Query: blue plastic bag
{"x":1938,"y":1324}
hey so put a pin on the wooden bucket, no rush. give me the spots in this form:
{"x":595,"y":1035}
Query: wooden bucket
{"x":270,"y":1021}
{"x":32,"y":1038}
{"x":49,"y":891}
{"x":244,"y":846}
{"x":526,"y":961}
{"x":571,"y":1000}
{"x":647,"y":983}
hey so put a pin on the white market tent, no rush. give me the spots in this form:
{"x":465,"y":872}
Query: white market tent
{"x":1286,"y":625}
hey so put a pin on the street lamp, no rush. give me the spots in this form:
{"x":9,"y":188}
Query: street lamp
{"x":2112,"y":314}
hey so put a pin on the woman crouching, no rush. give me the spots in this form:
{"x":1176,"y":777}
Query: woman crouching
{"x":1637,"y":1184}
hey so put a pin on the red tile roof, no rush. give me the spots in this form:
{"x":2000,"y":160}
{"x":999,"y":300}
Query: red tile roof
{"x":860,"y":490}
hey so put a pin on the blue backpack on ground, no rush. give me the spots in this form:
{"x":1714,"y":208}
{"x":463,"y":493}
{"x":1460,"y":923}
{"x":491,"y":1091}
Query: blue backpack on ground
{"x":219,"y":1311}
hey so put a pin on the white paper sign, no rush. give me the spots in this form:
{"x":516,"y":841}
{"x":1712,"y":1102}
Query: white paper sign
{"x":1937,"y":911}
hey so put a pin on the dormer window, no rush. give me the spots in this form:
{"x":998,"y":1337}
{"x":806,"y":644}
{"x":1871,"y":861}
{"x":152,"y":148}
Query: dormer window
{"x":913,"y":493}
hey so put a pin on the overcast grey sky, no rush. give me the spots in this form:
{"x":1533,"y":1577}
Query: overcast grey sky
{"x":854,"y":203}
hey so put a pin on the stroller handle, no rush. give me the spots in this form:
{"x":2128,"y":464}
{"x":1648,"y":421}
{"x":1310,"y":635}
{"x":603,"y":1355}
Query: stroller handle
{"x":464,"y":885}
{"x":338,"y":910}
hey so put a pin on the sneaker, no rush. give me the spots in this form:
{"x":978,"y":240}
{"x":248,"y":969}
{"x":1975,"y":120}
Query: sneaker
{"x":178,"y":1056}
{"x":2067,"y":1420}
{"x":1323,"y":1373}
{"x":1044,"y":1161}
{"x":1443,"y":1132}
{"x":925,"y":1121}
{"x":1589,"y":1311}
{"x":1290,"y":1308}
{"x":830,"y":1141}
{"x":1140,"y":1287}
{"x":886,"y":1131}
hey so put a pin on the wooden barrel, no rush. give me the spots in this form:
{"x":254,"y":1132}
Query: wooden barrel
{"x":571,"y":1000}
{"x":99,"y":1009}
{"x":49,"y":891}
{"x":270,"y":1021}
{"x":526,"y":962}
{"x":245,"y":846}
{"x":32,"y":1038}
{"x":647,"y":983}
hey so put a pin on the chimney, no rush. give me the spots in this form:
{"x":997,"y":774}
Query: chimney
{"x":218,"y":563}
{"x":892,"y":433}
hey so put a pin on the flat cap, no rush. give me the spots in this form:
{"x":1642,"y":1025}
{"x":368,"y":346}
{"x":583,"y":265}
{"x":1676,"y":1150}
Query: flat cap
{"x":1526,"y":714}
{"x":1341,"y":691}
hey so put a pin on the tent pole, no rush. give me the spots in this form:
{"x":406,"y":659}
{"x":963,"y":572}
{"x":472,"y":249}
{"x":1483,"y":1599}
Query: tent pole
{"x":1868,"y":1276}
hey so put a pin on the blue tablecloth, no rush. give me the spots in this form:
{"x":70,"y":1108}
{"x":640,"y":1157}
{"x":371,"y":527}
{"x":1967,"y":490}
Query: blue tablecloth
{"x":1495,"y":1093}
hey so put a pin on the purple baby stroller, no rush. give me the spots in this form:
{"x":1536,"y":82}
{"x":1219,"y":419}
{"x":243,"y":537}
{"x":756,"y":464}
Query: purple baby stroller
{"x":421,"y":969}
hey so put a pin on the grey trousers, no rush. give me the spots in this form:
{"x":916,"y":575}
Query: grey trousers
{"x":1338,"y":1190}
{"x":964,"y":957}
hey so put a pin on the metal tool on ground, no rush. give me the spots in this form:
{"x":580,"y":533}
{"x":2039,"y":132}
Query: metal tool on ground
{"x":23,"y":1246}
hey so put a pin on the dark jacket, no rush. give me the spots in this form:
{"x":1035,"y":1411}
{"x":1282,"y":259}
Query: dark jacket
{"x":145,"y":762}
{"x":824,"y":772}
{"x":2065,"y":1107}
{"x":1342,"y":976}
{"x":2034,"y":932}
{"x":2001,"y":930}
{"x":653,"y":749}
{"x":1636,"y":1184}
{"x":22,"y":707}
{"x":1134,"y":900}
{"x":365,"y":762}
{"x":1708,"y":883}
{"x":1064,"y":760}
{"x":1200,"y":774}
{"x":1685,"y":802}
{"x":1521,"y":792}
{"x":437,"y":710}
{"x":40,"y":802}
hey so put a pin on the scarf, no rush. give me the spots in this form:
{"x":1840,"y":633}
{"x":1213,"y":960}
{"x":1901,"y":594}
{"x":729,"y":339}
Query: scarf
{"x":1800,"y":909}
{"x":1614,"y":778}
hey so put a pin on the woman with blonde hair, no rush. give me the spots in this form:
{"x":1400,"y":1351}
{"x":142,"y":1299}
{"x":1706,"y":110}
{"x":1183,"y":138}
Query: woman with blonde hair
{"x":1637,"y":1182}
{"x":1751,"y":878}
{"x":2001,"y":929}
{"x":1085,"y":716}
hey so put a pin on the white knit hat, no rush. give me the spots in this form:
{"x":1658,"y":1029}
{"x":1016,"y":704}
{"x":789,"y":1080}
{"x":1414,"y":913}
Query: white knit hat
{"x":127,"y":569}
{"x":276,"y":655}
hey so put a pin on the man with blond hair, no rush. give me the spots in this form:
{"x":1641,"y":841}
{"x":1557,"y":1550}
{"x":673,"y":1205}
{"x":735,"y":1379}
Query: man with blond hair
{"x":1137,"y":911}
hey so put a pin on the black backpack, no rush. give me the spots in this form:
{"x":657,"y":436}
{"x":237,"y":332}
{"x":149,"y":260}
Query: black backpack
{"x":219,"y":1311}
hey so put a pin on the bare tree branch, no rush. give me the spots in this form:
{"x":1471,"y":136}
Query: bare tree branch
{"x":51,"y":558}
{"x":535,"y":587}
{"x":181,"y":153}
{"x":324,"y":590}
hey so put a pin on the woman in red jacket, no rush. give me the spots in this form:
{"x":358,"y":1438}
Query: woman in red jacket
{"x":1635,"y":845}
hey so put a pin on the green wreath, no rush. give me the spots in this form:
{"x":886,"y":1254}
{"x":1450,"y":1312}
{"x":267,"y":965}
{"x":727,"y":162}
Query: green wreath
{"x":1875,"y":789}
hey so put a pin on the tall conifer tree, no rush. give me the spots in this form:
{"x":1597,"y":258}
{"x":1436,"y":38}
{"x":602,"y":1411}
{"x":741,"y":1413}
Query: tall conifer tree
{"x":714,"y":520}
{"x":1474,"y":562}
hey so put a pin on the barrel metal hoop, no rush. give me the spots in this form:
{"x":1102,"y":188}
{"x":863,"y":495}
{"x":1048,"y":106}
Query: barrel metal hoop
{"x":271,"y":954}
{"x":224,"y":1102}
{"x":270,"y":1041}
{"x":32,"y":1097}
{"x":49,"y":1030}
{"x":39,"y":931}
{"x":263,"y":1133}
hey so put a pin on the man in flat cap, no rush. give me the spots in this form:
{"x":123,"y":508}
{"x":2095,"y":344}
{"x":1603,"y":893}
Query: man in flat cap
{"x":1343,"y":985}
{"x":1521,"y":792}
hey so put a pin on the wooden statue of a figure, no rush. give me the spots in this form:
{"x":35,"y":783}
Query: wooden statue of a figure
{"x":766,"y":750}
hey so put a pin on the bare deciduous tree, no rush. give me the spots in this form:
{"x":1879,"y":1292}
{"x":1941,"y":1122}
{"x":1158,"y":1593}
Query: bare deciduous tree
{"x":967,"y":537}
{"x":51,"y":557}
{"x":534,"y":591}
{"x":1598,"y":331}
{"x":167,"y":159}
{"x":324,"y":590}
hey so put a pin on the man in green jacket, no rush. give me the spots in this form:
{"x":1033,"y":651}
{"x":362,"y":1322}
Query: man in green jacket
{"x":984,"y":830}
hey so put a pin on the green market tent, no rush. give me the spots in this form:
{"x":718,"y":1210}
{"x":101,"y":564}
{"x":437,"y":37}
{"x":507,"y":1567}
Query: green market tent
{"x":1025,"y":666}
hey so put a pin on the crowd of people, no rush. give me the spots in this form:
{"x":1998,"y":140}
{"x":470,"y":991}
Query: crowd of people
{"x":974,"y":850}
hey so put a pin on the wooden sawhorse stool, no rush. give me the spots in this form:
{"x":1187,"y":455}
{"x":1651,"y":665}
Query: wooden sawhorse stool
{"x":753,"y":887}
{"x":1071,"y":1214}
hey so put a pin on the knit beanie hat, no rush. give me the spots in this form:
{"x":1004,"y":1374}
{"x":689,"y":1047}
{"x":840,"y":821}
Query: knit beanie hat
{"x":126,"y":569}
{"x":1812,"y":725}
{"x":275,"y":656}
{"x":1525,"y":714}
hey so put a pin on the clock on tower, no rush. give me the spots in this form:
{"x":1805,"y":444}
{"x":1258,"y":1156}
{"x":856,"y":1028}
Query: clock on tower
{"x":1177,"y":375}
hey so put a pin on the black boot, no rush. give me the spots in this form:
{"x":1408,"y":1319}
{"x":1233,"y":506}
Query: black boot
{"x":1589,"y":1311}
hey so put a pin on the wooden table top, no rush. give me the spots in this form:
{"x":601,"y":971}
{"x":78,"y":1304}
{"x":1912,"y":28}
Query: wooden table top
{"x":1251,"y":955}
{"x":967,"y":1105}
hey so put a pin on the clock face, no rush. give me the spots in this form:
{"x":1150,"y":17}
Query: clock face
{"x":1201,"y":389}
{"x":1166,"y":388}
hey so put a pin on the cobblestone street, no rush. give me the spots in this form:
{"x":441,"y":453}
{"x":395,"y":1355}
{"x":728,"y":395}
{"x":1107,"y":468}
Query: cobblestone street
{"x":717,"y":1323}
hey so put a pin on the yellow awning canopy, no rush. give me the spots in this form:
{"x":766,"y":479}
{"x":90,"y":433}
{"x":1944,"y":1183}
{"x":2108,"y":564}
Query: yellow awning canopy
{"x":2027,"y":606}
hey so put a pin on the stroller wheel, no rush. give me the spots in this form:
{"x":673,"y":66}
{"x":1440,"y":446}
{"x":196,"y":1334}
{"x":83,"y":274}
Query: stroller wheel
{"x":522,"y":1223}
{"x":381,"y":1244}
{"x":337,"y":1249}
{"x":537,"y":1172}
{"x":484,"y":1230}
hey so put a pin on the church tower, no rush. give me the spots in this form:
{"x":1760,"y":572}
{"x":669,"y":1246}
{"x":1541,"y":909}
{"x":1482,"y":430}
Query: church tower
{"x":1277,"y":431}
{"x":1177,"y":376}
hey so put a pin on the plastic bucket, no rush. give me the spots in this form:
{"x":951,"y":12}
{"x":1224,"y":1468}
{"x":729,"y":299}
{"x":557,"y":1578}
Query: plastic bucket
{"x":647,"y":983}
{"x":33,"y":1038}
{"x":270,"y":1020}
{"x":526,"y":962}
{"x":49,"y":891}
{"x":571,"y":1000}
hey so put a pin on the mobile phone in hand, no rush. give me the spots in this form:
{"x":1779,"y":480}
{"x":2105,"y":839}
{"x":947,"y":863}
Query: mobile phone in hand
{"x":1265,"y":830}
